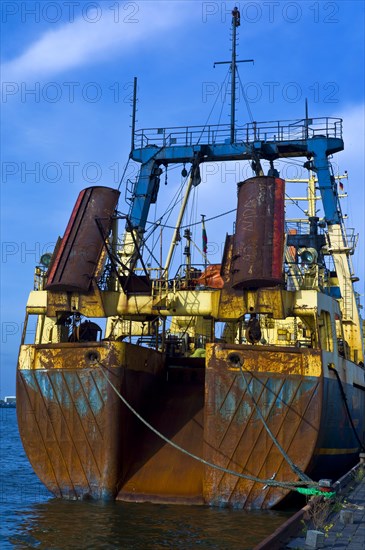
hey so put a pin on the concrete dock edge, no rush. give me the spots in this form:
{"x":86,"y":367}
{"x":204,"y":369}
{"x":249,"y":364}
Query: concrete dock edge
{"x":282,"y":534}
{"x":278,"y":539}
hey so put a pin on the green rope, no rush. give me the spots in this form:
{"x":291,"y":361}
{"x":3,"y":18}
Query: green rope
{"x":310,"y":491}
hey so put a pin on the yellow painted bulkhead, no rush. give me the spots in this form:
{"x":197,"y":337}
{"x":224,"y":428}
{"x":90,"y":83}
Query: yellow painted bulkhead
{"x":303,"y":317}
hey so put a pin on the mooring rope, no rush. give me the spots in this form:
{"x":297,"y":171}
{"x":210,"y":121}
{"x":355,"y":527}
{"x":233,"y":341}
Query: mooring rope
{"x":293,"y":466}
{"x":291,"y":485}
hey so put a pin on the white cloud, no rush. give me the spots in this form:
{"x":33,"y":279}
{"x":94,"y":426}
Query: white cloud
{"x":82,"y":42}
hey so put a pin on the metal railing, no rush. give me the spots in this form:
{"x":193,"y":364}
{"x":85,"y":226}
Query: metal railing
{"x":276,"y":131}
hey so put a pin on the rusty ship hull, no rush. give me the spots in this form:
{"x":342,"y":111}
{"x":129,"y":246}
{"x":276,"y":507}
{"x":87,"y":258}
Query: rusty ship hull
{"x":75,"y":430}
{"x":301,"y":406}
{"x":224,"y":384}
{"x":84,"y":443}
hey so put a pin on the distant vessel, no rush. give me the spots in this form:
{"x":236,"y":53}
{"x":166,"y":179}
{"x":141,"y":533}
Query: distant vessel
{"x":9,"y":402}
{"x":159,"y":405}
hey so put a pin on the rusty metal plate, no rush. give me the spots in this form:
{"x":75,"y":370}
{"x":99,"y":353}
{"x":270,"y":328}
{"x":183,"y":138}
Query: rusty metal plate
{"x":258,"y":242}
{"x":76,"y":259}
{"x":75,"y":430}
{"x":159,"y":472}
{"x":289,"y":394}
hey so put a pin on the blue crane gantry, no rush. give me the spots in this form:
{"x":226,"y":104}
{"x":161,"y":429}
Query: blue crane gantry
{"x":316,"y":139}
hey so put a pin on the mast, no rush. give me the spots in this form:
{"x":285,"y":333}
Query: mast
{"x":311,"y":193}
{"x":134,"y":110}
{"x":178,"y":224}
{"x":236,"y":22}
{"x":194,"y":180}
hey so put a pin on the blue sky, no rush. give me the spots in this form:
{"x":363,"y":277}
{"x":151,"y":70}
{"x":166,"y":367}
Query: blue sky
{"x":67,"y":70}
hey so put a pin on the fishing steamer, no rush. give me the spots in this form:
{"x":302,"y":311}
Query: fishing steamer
{"x":157,"y":407}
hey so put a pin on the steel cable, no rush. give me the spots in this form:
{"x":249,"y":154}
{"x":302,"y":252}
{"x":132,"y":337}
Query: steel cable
{"x":293,"y":466}
{"x":292,"y":485}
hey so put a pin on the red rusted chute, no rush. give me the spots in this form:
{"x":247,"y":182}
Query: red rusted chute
{"x":76,"y":259}
{"x":258,"y":242}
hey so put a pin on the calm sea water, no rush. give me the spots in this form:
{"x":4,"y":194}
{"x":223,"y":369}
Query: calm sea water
{"x":31,"y":518}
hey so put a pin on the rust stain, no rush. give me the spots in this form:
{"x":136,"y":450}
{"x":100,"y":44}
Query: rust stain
{"x":254,"y":255}
{"x":82,"y":441}
{"x":235,"y":436}
{"x":76,"y":260}
{"x":234,"y":303}
{"x":158,"y":472}
{"x":75,"y":430}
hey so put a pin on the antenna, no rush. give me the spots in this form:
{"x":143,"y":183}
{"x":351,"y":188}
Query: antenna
{"x":236,"y":22}
{"x":134,"y":110}
{"x":307,"y":120}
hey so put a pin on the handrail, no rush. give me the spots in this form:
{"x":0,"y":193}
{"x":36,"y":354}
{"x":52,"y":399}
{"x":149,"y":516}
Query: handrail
{"x":212,"y":134}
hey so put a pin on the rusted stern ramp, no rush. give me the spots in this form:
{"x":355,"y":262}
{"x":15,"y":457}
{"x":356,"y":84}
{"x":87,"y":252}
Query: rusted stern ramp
{"x":160,"y":473}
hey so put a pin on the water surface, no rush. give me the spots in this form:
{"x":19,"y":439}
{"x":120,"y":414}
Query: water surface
{"x":32,"y":518}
